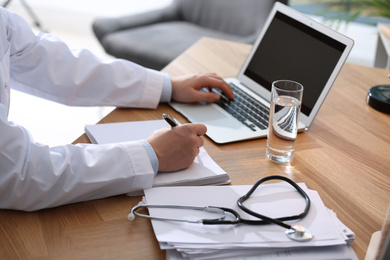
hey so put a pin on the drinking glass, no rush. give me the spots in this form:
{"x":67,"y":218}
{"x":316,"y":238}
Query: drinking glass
{"x":286,"y":98}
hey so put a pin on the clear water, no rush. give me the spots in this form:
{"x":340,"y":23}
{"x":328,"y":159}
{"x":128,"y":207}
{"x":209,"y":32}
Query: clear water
{"x":283,"y":126}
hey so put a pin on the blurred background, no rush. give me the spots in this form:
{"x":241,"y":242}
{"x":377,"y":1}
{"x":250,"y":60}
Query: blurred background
{"x":54,"y":124}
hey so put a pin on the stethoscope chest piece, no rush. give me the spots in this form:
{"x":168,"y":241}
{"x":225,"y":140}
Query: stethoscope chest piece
{"x":299,"y":233}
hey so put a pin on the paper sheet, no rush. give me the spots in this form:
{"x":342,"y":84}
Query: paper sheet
{"x":317,"y":253}
{"x":274,"y":200}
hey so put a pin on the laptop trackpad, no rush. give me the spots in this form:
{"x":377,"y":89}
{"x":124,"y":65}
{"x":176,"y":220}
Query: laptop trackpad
{"x":221,"y":126}
{"x":205,"y":113}
{"x":210,"y":115}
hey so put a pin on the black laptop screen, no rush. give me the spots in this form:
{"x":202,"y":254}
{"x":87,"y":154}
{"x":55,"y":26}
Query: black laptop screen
{"x":294,"y":51}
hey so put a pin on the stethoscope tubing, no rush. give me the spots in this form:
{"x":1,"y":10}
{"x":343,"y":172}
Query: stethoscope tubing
{"x":268,"y":220}
{"x":212,"y":209}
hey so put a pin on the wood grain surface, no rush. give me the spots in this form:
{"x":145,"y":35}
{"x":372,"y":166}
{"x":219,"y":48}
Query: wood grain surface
{"x":345,"y":156}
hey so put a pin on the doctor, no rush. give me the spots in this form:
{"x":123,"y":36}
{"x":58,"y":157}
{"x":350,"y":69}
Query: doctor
{"x":34,"y":176}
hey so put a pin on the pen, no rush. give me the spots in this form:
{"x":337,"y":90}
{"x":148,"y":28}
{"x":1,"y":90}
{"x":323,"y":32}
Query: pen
{"x":169,"y":120}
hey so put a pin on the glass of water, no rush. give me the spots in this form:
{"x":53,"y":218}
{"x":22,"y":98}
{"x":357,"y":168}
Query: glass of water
{"x":286,"y":98}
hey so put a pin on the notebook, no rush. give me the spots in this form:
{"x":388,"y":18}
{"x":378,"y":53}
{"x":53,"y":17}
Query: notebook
{"x":291,"y":46}
{"x":204,"y":170}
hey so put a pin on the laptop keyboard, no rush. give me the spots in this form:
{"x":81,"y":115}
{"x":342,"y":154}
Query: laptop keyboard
{"x":245,"y":108}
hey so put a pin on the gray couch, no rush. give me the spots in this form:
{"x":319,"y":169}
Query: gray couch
{"x":155,"y":38}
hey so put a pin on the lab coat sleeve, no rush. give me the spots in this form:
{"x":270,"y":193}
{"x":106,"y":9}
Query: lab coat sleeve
{"x":44,"y":66}
{"x":34,"y":176}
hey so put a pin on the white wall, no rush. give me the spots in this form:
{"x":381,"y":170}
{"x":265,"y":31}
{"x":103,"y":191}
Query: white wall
{"x":77,"y":15}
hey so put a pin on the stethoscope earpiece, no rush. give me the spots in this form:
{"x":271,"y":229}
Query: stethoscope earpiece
{"x":131,"y":216}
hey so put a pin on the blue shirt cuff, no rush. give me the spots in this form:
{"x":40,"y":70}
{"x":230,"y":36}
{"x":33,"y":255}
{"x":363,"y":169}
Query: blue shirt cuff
{"x":152,"y":155}
{"x":167,"y":89}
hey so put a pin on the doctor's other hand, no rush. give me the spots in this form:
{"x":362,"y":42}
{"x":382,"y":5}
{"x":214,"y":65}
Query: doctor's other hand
{"x":187,"y":88}
{"x":177,"y":147}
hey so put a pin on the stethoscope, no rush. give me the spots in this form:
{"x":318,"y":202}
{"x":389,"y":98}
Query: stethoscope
{"x":297,"y":232}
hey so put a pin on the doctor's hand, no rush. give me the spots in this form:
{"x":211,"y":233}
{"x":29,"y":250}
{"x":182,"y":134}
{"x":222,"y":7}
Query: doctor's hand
{"x":177,"y":147}
{"x":187,"y":88}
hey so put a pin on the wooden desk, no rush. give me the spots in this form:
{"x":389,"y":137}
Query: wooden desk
{"x":345,"y":156}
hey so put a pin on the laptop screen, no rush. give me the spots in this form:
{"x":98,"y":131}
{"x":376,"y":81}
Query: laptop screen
{"x":294,"y":51}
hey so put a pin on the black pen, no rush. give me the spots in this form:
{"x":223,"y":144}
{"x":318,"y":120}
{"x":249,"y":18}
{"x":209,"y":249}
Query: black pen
{"x":169,"y":120}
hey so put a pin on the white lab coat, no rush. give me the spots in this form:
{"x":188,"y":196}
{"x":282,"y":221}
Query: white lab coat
{"x":34,"y":176}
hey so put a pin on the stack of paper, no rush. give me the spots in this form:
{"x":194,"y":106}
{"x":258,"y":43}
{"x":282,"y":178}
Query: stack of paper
{"x":197,"y":241}
{"x":204,"y":170}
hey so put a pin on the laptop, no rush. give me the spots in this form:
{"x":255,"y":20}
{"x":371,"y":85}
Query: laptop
{"x":291,"y":46}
